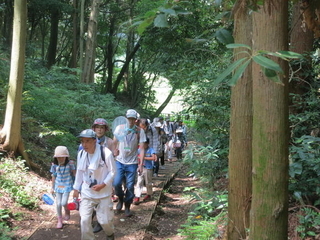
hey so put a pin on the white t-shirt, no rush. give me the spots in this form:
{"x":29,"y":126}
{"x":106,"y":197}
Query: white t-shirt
{"x":128,"y":147}
{"x":103,"y":174}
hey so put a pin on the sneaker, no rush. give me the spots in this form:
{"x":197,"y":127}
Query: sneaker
{"x":111,"y":237}
{"x":155,"y":174}
{"x":136,"y":201}
{"x":146,"y":198}
{"x":162,"y":167}
{"x":115,"y":198}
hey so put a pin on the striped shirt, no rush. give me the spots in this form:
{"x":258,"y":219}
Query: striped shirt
{"x":63,"y":178}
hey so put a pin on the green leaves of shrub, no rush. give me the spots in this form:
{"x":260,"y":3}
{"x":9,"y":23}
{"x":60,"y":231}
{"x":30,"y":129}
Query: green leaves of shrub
{"x":304,"y":169}
{"x":270,"y":68}
{"x":11,"y":182}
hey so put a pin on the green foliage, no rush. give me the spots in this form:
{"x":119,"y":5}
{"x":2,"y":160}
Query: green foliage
{"x":211,"y":109}
{"x":201,"y":229}
{"x":14,"y":183}
{"x":208,"y":214}
{"x":206,"y":163}
{"x":4,"y":214}
{"x":5,"y":232}
{"x":304,"y":168}
{"x":306,"y":110}
{"x":269,"y":67}
{"x":309,"y":223}
{"x":305,"y":143}
{"x":57,"y":108}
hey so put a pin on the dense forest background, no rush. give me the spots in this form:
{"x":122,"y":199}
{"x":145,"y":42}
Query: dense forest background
{"x":89,"y":59}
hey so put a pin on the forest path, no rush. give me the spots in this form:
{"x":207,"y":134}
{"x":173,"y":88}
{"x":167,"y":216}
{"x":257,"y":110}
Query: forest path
{"x":125,"y":228}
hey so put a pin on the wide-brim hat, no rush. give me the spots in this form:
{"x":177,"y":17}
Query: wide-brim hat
{"x":61,"y":151}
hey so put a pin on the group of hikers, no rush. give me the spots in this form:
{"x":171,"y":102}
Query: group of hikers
{"x":108,"y":169}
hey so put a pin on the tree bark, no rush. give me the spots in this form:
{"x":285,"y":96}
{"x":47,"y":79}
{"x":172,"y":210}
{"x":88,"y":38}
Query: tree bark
{"x":301,"y":41}
{"x":240,"y":153}
{"x":91,"y":42}
{"x":110,"y":54}
{"x":269,"y":209}
{"x":82,"y":2}
{"x":165,"y":103}
{"x":75,"y":40}
{"x":10,"y":134}
{"x":52,"y":49}
{"x":124,"y":67}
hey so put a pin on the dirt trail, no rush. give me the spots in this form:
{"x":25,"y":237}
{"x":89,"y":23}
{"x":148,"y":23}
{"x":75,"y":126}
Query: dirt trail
{"x":125,"y":228}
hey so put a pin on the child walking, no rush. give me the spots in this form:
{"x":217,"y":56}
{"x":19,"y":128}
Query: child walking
{"x":146,"y":176}
{"x":62,"y":171}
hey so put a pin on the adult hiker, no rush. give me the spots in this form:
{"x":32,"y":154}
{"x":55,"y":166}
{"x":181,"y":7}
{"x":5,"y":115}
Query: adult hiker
{"x":127,"y":161}
{"x":95,"y":173}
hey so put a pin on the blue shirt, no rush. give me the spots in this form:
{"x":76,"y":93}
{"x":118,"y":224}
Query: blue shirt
{"x":63,"y":178}
{"x":148,"y":164}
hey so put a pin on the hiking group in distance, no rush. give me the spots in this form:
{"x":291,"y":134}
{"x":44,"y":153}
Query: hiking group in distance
{"x":114,"y":169}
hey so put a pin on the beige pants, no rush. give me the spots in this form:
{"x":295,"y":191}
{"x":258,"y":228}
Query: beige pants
{"x":105,"y":214}
{"x":144,"y":179}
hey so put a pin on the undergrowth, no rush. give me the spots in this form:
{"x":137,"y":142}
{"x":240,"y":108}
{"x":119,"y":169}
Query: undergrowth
{"x":208,"y":215}
{"x":20,"y":186}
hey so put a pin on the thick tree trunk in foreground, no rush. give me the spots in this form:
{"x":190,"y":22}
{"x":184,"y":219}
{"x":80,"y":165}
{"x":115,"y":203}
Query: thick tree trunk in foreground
{"x":269,"y":209}
{"x":10,"y":134}
{"x":240,"y":153}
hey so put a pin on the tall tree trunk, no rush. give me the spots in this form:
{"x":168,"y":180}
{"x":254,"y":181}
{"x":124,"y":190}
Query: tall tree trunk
{"x":124,"y":67}
{"x":269,"y":209}
{"x":75,"y":40}
{"x":82,"y":2}
{"x":7,"y":24}
{"x":52,"y":49}
{"x":240,"y":153}
{"x":110,"y":54}
{"x":10,"y":134}
{"x":91,"y":42}
{"x":165,"y":103}
{"x":301,"y":41}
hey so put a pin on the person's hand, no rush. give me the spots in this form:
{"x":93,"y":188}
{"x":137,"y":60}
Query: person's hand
{"x":115,"y":152}
{"x":52,"y":191}
{"x":98,"y":187}
{"x":140,"y":168}
{"x":75,"y":194}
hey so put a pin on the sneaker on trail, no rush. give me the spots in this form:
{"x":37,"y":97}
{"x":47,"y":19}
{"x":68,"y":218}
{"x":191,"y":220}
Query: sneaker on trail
{"x":155,"y":175}
{"x":146,"y":198}
{"x":136,"y":201}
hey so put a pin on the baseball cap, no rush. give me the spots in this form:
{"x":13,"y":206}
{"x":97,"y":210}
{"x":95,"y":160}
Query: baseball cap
{"x":61,"y":151}
{"x":100,"y":121}
{"x":88,"y":133}
{"x":131,"y":113}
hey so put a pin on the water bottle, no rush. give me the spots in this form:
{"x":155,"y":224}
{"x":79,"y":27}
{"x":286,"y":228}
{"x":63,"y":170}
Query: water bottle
{"x":74,"y":205}
{"x":48,"y":199}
